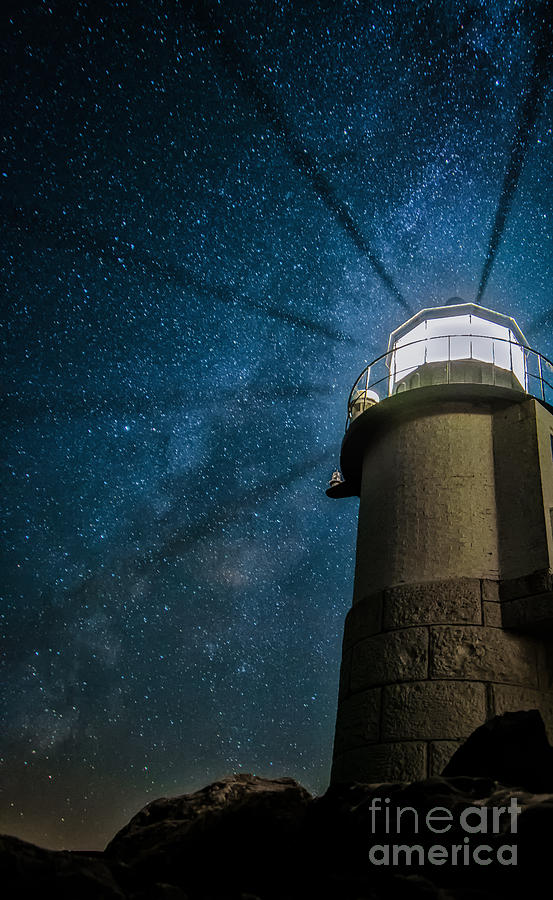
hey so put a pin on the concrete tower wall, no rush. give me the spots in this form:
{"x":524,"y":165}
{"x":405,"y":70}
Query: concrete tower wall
{"x":544,"y":421}
{"x":523,"y":543}
{"x":428,"y":507}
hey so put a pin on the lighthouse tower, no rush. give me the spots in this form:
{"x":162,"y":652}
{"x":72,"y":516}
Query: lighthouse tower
{"x":449,"y":446}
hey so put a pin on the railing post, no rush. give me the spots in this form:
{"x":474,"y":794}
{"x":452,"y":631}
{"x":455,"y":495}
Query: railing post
{"x":541,"y":378}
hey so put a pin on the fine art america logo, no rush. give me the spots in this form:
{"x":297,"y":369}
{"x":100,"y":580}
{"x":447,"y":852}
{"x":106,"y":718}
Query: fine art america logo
{"x":476,"y":822}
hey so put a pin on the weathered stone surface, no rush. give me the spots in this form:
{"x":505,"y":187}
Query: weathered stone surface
{"x":529,"y":613}
{"x":432,"y":603}
{"x":363,"y":620}
{"x":545,"y":664}
{"x":492,"y":614}
{"x":439,"y":754}
{"x":540,"y":582}
{"x":358,"y":720}
{"x":490,"y":591}
{"x":432,"y":710}
{"x":402,"y":761}
{"x":389,"y":657}
{"x":512,"y":747}
{"x":510,"y":698}
{"x":482,"y":653}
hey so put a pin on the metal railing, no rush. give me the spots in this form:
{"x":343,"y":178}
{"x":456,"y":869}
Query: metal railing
{"x":377,"y":381}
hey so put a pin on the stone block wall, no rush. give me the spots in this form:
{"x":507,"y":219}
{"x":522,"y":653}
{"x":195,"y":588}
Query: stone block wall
{"x":423,"y":665}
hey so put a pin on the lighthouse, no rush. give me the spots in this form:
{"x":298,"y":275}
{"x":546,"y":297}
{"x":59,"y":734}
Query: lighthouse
{"x":449,"y":447}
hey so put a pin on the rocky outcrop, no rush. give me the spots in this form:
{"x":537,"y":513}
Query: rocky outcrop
{"x":30,"y":871}
{"x":246,"y":837}
{"x":232,"y":834}
{"x":513,"y":748}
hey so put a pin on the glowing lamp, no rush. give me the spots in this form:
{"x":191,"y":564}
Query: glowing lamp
{"x":460,"y":342}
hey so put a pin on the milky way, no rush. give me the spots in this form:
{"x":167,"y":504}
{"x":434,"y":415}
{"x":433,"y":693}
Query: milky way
{"x":214,"y":216}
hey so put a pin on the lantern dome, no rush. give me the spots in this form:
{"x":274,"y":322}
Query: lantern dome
{"x":460,"y":342}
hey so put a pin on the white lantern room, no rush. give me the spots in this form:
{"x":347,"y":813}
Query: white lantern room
{"x":460,"y":342}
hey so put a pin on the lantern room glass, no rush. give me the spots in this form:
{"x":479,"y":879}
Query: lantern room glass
{"x":456,"y":337}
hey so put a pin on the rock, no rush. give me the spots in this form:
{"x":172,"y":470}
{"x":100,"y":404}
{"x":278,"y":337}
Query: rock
{"x":30,"y":871}
{"x":231,"y":835}
{"x":251,"y":838}
{"x":535,"y":831}
{"x":512,"y":748}
{"x":344,"y":828}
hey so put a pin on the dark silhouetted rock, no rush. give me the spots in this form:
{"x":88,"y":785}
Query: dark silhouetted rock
{"x":512,"y":748}
{"x":30,"y":871}
{"x":227,"y":836}
{"x":251,"y":838}
{"x":535,"y":836}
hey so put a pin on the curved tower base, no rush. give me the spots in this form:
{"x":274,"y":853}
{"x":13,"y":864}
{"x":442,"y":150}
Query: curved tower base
{"x":423,"y":665}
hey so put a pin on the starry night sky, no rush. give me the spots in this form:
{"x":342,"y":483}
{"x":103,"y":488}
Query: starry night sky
{"x":214,"y":216}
